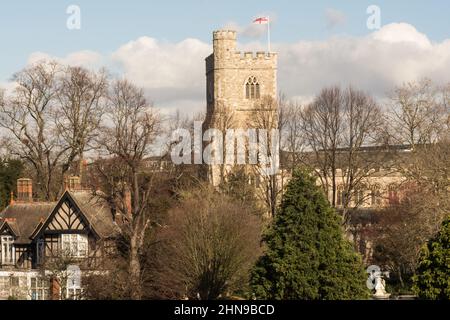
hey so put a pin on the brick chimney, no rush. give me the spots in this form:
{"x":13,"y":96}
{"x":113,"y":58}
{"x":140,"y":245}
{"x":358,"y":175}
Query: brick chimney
{"x":73,"y":183}
{"x":24,"y":190}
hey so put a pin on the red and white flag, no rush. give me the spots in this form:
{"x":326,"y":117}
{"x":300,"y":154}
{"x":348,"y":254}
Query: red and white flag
{"x":266,"y":21}
{"x":262,"y":20}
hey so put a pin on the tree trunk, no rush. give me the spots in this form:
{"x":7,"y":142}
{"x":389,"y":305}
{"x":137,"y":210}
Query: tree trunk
{"x":135,"y":270}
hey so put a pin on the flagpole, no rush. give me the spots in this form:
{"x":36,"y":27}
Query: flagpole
{"x":268,"y":33}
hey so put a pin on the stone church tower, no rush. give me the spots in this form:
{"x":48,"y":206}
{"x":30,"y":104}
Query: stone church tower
{"x":236,"y":84}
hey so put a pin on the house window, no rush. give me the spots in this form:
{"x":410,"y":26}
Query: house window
{"x":4,"y":283}
{"x":74,"y":290}
{"x":40,"y":251}
{"x":360,"y":197}
{"x":74,"y":245}
{"x":252,"y":89}
{"x":40,"y":289}
{"x":15,"y":282}
{"x":8,"y":254}
{"x":375,"y":197}
{"x":73,"y":293}
{"x":393,"y":196}
{"x":340,"y":196}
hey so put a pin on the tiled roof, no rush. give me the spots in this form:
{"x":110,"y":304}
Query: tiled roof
{"x":24,"y":218}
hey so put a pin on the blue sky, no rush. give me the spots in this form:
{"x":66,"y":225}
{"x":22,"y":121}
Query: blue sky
{"x":161,"y":45}
{"x":27,"y":26}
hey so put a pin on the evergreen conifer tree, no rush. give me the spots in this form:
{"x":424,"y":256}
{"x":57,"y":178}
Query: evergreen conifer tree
{"x":307,"y":257}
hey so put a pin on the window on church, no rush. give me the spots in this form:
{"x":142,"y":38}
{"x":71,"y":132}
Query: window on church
{"x":252,"y":89}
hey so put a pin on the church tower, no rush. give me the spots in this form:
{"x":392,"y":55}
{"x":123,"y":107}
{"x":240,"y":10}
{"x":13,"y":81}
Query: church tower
{"x":236,"y":85}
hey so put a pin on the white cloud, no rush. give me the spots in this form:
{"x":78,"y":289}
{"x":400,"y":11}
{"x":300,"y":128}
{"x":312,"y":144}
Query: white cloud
{"x":402,"y":32}
{"x":334,"y":18}
{"x":173,"y":74}
{"x":85,"y":58}
{"x":157,"y":65}
{"x":376,"y":63}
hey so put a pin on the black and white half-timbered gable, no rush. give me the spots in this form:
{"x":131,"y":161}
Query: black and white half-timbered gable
{"x":36,"y":237}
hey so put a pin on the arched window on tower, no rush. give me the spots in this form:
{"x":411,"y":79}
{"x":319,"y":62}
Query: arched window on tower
{"x":252,"y":89}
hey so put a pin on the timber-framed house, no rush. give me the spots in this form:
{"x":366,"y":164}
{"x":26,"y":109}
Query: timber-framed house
{"x":37,"y":237}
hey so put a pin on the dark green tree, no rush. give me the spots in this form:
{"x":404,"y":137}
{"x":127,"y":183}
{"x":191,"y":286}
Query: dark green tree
{"x":10,"y":171}
{"x":432,"y":279}
{"x":307,"y":257}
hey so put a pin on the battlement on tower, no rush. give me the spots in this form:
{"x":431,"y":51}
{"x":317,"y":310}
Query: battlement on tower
{"x":226,"y":55}
{"x":259,"y":55}
{"x":224,"y":35}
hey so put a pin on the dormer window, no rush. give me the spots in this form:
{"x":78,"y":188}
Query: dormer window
{"x":252,"y":89}
{"x":8,"y":252}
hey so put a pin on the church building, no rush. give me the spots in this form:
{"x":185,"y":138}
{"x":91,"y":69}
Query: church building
{"x":237,"y":85}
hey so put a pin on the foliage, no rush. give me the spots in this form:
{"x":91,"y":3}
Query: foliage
{"x":307,"y":256}
{"x":432,"y":280}
{"x":10,"y":171}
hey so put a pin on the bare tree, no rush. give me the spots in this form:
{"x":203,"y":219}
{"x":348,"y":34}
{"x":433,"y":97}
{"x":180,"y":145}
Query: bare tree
{"x":362,"y":119}
{"x":337,"y":126}
{"x":2,"y":97}
{"x":81,"y":98}
{"x":55,"y":272}
{"x":50,"y":119}
{"x":210,"y":244}
{"x":111,"y":178}
{"x":322,"y":126}
{"x":419,"y":118}
{"x":403,"y":229}
{"x":293,"y":141}
{"x":27,"y":116}
{"x":268,"y":117}
{"x":224,"y":119}
{"x":416,"y":115}
{"x":130,"y":129}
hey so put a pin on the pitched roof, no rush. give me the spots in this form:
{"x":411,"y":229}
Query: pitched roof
{"x":27,"y":219}
{"x":97,"y":212}
{"x":24,"y":218}
{"x":10,"y":226}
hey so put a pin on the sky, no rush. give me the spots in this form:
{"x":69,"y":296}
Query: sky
{"x":161,"y":45}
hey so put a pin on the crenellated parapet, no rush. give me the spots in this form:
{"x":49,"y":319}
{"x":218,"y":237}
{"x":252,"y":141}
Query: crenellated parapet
{"x":226,"y":56}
